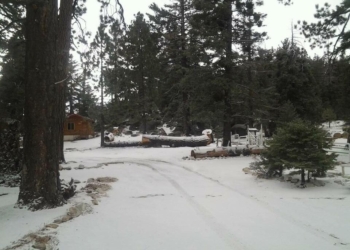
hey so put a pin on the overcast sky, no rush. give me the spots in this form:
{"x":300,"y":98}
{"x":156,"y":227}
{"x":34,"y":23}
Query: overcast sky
{"x":278,"y":21}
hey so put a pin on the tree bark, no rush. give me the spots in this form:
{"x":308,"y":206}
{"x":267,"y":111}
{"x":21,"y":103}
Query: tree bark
{"x":71,"y":109}
{"x":184,"y":62}
{"x":142,"y":94}
{"x":83,"y":107}
{"x":63,"y":47}
{"x":302,"y":176}
{"x":102,"y":104}
{"x":228,"y":76}
{"x":308,"y":175}
{"x":39,"y":186}
{"x":250,"y":77}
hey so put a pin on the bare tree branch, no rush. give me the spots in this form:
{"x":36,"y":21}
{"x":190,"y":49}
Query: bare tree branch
{"x":122,"y":14}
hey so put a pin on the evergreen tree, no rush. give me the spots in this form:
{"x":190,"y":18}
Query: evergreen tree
{"x":299,"y":145}
{"x":328,"y":115}
{"x":247,"y":22}
{"x":141,"y":55}
{"x":338,"y":88}
{"x":287,"y":113}
{"x":47,"y":53}
{"x":100,"y":47}
{"x":214,"y":20}
{"x":222,"y":24}
{"x":40,"y":176}
{"x":114,"y":61}
{"x":80,"y":96}
{"x":179,"y":58}
{"x":12,"y":79}
{"x":331,"y":21}
{"x":295,"y":82}
{"x":12,"y":20}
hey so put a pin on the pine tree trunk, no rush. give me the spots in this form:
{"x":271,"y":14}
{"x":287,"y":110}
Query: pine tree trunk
{"x":63,"y":47}
{"x":250,"y":77}
{"x":71,"y":109}
{"x":184,"y":61}
{"x":228,"y":75}
{"x":83,"y":107}
{"x":280,"y":171}
{"x":142,"y":94}
{"x":39,"y":186}
{"x":102,"y":118}
{"x":227,"y":121}
{"x":302,"y":176}
{"x":115,"y":83}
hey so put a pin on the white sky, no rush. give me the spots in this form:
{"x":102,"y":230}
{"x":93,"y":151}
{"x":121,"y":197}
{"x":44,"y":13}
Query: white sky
{"x":278,"y":21}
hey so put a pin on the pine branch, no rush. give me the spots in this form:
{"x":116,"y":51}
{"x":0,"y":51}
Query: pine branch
{"x":341,"y":33}
{"x":9,"y":25}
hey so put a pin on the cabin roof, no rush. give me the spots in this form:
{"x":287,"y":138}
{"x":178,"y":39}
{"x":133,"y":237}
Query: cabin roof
{"x":80,"y":117}
{"x":241,"y":126}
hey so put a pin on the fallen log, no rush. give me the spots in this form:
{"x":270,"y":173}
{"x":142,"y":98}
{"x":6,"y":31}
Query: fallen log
{"x":172,"y":141}
{"x":236,"y":150}
{"x":109,"y":137}
{"x":122,"y":144}
{"x":218,"y":152}
{"x":257,"y":151}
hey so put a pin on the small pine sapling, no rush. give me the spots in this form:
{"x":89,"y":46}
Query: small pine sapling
{"x":299,"y":145}
{"x":328,"y":115}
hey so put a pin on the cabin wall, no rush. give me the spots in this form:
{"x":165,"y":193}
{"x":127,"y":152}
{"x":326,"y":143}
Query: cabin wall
{"x":82,"y":128}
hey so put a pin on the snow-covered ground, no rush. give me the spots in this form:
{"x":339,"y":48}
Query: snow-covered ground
{"x":162,"y":201}
{"x":334,"y":127}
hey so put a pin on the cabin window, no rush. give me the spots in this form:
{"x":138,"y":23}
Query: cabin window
{"x":70,"y":126}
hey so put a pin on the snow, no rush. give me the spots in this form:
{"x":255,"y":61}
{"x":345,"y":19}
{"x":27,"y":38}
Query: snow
{"x":177,"y":138}
{"x":207,"y":132}
{"x":167,"y":130}
{"x":335,"y":127}
{"x":161,"y":201}
{"x":15,"y":223}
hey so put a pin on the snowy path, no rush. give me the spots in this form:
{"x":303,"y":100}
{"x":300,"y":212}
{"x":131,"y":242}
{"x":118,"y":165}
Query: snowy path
{"x":161,"y":202}
{"x":160,"y":205}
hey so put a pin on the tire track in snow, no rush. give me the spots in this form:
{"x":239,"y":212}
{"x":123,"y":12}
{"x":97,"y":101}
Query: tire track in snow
{"x":232,"y":241}
{"x":307,"y":227}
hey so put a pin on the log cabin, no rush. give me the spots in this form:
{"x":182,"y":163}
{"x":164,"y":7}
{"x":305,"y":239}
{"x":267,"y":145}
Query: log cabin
{"x":78,"y":127}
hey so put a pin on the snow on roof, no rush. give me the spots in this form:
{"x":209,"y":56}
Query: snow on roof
{"x":81,"y":117}
{"x":253,"y":129}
